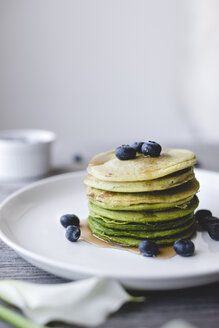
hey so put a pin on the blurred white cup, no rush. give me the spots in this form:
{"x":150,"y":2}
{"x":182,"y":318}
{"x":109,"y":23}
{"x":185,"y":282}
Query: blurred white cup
{"x":25,"y":154}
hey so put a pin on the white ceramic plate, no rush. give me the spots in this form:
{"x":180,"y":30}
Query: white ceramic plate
{"x":29,"y":223}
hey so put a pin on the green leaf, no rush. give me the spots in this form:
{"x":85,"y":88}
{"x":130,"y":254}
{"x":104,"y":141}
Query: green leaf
{"x":17,"y":320}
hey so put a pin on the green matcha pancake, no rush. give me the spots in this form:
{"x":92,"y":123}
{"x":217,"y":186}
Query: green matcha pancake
{"x":124,"y":217}
{"x":131,"y":201}
{"x":108,"y":167}
{"x":169,"y":181}
{"x":142,"y":233}
{"x":133,"y":238}
{"x":147,"y":207}
{"x":148,"y":226}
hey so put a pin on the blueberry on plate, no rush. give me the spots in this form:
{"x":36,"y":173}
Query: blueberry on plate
{"x":209,"y":221}
{"x":148,"y":248}
{"x":202,"y":217}
{"x":137,"y":146}
{"x":125,"y":152}
{"x":72,"y":233}
{"x":184,"y":247}
{"x":213,"y":230}
{"x":69,"y":219}
{"x":151,"y":148}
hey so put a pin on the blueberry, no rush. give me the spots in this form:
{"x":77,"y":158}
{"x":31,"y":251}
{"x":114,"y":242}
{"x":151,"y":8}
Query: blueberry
{"x":69,"y":219}
{"x":72,"y":233}
{"x":209,"y":221}
{"x":137,"y":146}
{"x":202,"y":217}
{"x":151,"y":148}
{"x":148,"y":248}
{"x":184,"y":247}
{"x":213,"y":230}
{"x":125,"y":152}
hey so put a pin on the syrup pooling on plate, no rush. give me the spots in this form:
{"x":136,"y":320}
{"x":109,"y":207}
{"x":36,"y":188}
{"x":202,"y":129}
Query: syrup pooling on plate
{"x":86,"y":235}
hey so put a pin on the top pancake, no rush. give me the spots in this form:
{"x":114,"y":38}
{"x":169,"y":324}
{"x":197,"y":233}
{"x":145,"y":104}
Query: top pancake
{"x":107,"y":167}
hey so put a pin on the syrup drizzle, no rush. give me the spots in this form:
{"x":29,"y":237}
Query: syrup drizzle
{"x":101,"y":159}
{"x":87,"y":235}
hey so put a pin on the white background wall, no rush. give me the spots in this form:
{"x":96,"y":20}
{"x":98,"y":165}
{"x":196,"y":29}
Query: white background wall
{"x":99,"y":73}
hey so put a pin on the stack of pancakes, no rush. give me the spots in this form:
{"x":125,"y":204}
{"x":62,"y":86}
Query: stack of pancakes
{"x":144,"y":198}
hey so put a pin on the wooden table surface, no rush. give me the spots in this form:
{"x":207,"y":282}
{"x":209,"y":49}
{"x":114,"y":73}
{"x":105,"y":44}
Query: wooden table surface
{"x":199,"y":306}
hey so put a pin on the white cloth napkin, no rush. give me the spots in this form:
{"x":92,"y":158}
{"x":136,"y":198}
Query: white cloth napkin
{"x":85,"y":302}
